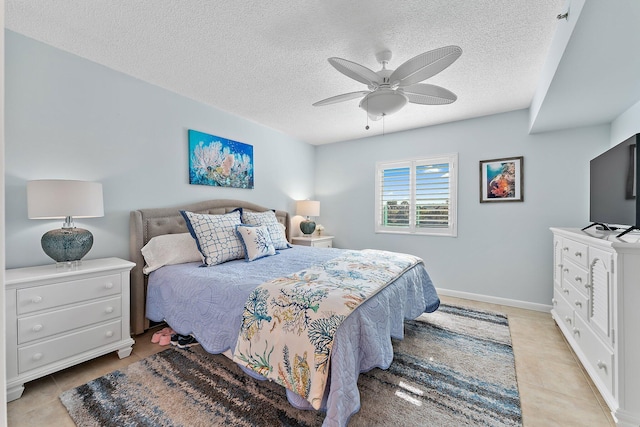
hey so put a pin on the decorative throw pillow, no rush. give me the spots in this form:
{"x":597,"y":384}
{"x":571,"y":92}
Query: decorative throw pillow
{"x":216,"y":236}
{"x":269,"y":220}
{"x":256,"y":240}
{"x":169,"y":249}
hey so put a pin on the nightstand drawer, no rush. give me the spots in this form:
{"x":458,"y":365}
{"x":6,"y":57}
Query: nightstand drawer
{"x":54,"y":322}
{"x":49,"y":296}
{"x":322,"y":244}
{"x":34,"y":356}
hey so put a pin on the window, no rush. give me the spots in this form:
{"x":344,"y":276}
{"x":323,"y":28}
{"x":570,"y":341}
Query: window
{"x":417,"y":196}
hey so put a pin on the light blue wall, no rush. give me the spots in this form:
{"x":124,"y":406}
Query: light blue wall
{"x":626,"y":125}
{"x":69,"y":118}
{"x":502,"y":249}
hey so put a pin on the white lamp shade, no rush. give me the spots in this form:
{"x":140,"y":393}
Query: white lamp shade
{"x":57,"y":198}
{"x":308,"y":208}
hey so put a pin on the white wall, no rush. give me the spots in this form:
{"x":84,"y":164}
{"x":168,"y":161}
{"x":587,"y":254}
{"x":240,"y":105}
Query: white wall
{"x":626,"y":124}
{"x":502,"y":249}
{"x":69,"y":118}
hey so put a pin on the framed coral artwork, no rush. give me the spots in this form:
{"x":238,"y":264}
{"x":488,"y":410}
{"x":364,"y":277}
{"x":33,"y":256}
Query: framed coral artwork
{"x":501,"y":180}
{"x":219,"y":161}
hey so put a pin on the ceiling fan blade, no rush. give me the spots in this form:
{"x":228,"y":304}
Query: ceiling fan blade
{"x":340,"y":98}
{"x":425,"y":65}
{"x":427,"y":94}
{"x":356,"y":71}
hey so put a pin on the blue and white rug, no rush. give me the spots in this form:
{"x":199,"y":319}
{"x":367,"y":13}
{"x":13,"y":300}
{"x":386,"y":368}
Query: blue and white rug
{"x":455,"y":367}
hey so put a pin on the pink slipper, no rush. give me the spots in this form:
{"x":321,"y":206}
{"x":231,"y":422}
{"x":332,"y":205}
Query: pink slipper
{"x":166,"y":339}
{"x":156,"y":338}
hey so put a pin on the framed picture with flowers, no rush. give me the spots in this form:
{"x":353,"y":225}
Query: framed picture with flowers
{"x":501,"y":180}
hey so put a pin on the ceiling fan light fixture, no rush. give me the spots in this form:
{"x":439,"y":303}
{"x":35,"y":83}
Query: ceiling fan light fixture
{"x":383,"y":102}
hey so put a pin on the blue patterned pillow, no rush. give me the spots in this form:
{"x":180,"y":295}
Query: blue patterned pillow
{"x":216,"y":236}
{"x":256,"y":240}
{"x":269,"y":220}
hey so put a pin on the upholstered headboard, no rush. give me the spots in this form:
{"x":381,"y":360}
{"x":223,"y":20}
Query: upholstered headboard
{"x":145,"y":224}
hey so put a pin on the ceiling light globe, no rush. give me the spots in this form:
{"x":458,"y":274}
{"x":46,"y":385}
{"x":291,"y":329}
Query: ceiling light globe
{"x":383,"y":102}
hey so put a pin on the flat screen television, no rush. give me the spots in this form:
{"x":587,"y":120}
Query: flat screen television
{"x":613,"y":203}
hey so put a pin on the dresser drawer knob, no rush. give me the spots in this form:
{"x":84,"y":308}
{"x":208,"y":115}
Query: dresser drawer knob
{"x":566,"y":248}
{"x":108,"y":285}
{"x":578,"y":279}
{"x":566,"y":270}
{"x":602,"y":365}
{"x":109,"y":334}
{"x":36,"y":299}
{"x":566,"y":291}
{"x":37,"y":356}
{"x":560,"y":265}
{"x":586,"y":285}
{"x":576,"y":331}
{"x":578,"y":254}
{"x":567,"y":319}
{"x":554,"y":301}
{"x":578,"y":304}
{"x":109,"y":310}
{"x":36,"y":328}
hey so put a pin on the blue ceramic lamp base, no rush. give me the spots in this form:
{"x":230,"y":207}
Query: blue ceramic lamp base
{"x":307,"y":227}
{"x":67,"y":244}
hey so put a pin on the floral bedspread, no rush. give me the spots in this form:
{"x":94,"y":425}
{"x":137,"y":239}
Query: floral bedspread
{"x":288,"y":324}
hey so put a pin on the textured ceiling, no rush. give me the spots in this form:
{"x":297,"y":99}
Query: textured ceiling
{"x":267,"y":61}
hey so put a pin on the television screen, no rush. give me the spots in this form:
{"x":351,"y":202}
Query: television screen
{"x":613,"y":178}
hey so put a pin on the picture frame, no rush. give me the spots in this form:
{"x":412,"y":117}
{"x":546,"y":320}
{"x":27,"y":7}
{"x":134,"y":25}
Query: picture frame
{"x":501,"y":180}
{"x":219,"y":162}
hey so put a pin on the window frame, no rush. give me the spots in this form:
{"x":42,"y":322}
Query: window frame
{"x":452,"y":230}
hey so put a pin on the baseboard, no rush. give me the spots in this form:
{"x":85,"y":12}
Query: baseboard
{"x":495,"y":300}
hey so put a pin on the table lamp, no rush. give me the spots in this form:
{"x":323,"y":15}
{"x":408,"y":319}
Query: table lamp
{"x":56,"y":198}
{"x":307,"y":208}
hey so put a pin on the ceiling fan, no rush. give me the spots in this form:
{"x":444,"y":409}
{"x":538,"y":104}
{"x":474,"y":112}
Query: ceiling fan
{"x":390,"y":90}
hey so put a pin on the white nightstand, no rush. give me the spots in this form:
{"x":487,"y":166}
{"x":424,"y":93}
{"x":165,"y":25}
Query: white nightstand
{"x":57,"y":317}
{"x":315,"y":241}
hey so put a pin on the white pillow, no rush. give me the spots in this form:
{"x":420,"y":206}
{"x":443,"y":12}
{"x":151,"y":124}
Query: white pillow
{"x":216,"y":236}
{"x":169,"y":249}
{"x":269,"y":220}
{"x":256,"y":240}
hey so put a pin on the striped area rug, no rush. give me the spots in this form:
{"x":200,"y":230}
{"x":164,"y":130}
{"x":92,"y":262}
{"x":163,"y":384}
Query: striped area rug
{"x":455,"y":367}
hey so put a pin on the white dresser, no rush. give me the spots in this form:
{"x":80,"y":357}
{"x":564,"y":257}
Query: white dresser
{"x":315,"y":241}
{"x":57,"y":317}
{"x":596,"y":304}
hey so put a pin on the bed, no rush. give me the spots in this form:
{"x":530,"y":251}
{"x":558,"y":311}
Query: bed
{"x":208,"y":302}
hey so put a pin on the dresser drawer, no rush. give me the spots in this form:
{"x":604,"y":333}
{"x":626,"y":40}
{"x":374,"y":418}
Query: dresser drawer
{"x":600,"y":357}
{"x":563,"y":308}
{"x":575,"y":251}
{"x":49,"y":296}
{"x":47,"y":324}
{"x":577,"y":300}
{"x":36,"y":355}
{"x":575,"y":276}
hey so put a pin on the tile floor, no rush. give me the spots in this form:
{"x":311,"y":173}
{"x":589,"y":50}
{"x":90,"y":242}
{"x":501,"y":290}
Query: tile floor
{"x":554,"y":389}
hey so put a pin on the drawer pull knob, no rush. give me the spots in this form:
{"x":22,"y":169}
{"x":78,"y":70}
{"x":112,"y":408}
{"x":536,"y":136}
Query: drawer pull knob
{"x":108,"y":285}
{"x":553,"y":301}
{"x":578,"y":304}
{"x":36,"y":328}
{"x":36,"y":299}
{"x":37,"y":356}
{"x":109,"y":334}
{"x":560,"y":265}
{"x":567,"y":319}
{"x":578,"y":279}
{"x":602,"y":365}
{"x":566,"y":270}
{"x":576,"y":331}
{"x":109,"y":310}
{"x":586,"y":285}
{"x":566,"y":248}
{"x":566,"y":291}
{"x":578,"y":254}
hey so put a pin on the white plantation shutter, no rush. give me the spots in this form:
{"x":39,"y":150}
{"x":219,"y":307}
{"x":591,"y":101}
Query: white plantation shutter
{"x":417,"y":196}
